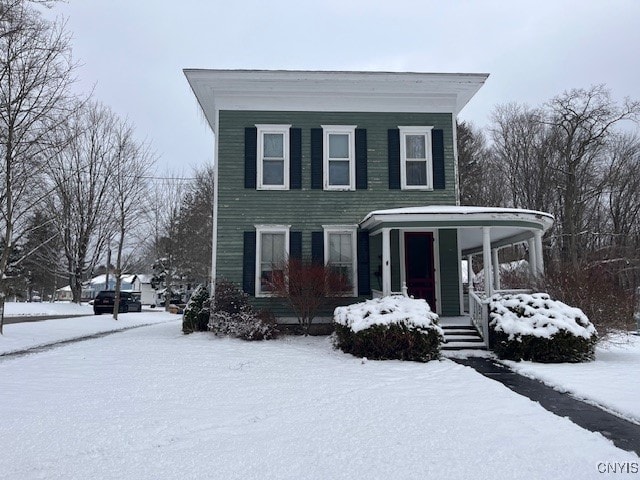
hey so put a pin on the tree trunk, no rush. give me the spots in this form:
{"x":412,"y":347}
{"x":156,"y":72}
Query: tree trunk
{"x":2,"y":311}
{"x":168,"y":293}
{"x":116,"y":302}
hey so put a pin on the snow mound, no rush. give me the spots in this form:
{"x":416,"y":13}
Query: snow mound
{"x":396,"y":309}
{"x":538,"y":315}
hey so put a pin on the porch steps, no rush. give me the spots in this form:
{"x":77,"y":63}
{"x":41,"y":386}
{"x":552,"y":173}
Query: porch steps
{"x":462,"y":337}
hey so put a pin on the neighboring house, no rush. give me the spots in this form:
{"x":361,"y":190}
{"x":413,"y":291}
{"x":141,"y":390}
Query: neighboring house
{"x":64,"y":294}
{"x":355,"y":169}
{"x":148,"y":296}
{"x":129,"y":283}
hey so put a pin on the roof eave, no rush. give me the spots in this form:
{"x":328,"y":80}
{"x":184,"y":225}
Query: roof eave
{"x":331,"y":91}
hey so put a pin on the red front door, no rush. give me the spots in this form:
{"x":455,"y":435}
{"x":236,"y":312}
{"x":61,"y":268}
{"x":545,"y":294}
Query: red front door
{"x":419,"y":267}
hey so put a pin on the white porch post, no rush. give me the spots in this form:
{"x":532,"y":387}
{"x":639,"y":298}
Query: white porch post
{"x":539,"y":257}
{"x":533,"y":263}
{"x":386,"y":262}
{"x":495,"y":269}
{"x":486,"y":260}
{"x":470,"y":273}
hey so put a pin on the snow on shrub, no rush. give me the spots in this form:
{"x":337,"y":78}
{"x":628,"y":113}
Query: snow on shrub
{"x":197,"y":311}
{"x":233,"y":316}
{"x":535,"y":327}
{"x":394,"y":327}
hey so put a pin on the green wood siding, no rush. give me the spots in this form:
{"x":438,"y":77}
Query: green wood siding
{"x":394,"y":245}
{"x":306,"y":210}
{"x":375,"y":261}
{"x":449,"y":272}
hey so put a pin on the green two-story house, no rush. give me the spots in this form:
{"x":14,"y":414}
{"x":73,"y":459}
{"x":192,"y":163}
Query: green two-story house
{"x":354,"y":169}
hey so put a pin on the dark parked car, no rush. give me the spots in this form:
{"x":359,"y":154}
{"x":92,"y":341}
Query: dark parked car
{"x":103,"y":303}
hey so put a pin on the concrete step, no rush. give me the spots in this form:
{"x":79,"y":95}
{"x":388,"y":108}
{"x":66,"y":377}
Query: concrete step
{"x":462,"y":337}
{"x":462,"y":346}
{"x":461,"y":332}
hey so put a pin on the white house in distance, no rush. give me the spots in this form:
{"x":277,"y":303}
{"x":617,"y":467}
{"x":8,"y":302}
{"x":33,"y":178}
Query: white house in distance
{"x":130,"y":283}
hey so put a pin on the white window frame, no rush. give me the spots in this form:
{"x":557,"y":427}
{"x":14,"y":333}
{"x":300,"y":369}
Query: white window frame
{"x":351,"y":230}
{"x":340,"y":130}
{"x":260,"y":229}
{"x":272,"y":129}
{"x":426,"y":132}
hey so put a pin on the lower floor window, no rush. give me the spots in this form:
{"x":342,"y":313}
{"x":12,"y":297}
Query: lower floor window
{"x":272,"y":255}
{"x":340,"y":255}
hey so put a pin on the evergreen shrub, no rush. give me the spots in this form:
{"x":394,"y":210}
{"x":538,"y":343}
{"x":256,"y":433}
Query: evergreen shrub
{"x":389,"y":328}
{"x":534,"y":327}
{"x":197,"y":312}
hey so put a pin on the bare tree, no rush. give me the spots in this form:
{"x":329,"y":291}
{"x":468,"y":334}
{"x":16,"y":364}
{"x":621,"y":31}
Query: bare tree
{"x":165,"y":204}
{"x":133,"y":160}
{"x":522,"y":150}
{"x":35,"y":75}
{"x":479,"y":174}
{"x":583,"y":120}
{"x":308,"y":288}
{"x":81,"y":205}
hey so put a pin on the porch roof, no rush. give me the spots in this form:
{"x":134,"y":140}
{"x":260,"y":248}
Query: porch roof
{"x":507,"y":225}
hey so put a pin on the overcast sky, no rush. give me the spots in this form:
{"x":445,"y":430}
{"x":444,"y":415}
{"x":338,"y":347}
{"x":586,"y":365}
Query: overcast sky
{"x":132,"y":52}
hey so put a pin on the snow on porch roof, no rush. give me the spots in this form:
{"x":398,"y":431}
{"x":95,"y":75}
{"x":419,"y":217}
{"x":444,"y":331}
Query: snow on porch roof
{"x":508,"y":225}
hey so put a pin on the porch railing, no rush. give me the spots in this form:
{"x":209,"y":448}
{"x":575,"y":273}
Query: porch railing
{"x":479,"y":313}
{"x":379,"y":294}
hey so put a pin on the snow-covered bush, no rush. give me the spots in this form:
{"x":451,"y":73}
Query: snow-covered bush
{"x":535,"y":327}
{"x":233,"y":316}
{"x":393,"y":327}
{"x":197,"y":312}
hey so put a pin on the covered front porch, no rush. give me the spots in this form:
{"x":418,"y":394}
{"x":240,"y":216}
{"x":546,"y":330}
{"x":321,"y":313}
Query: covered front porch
{"x":418,"y":251}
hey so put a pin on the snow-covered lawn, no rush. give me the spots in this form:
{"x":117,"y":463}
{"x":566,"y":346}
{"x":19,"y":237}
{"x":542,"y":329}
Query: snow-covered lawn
{"x":20,"y":336}
{"x":612,"y":380}
{"x":19,"y":309}
{"x":152,"y":403}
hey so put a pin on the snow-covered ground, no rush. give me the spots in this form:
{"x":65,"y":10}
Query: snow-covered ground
{"x":19,"y":309}
{"x":152,"y":403}
{"x":612,"y":380}
{"x":21,"y":336}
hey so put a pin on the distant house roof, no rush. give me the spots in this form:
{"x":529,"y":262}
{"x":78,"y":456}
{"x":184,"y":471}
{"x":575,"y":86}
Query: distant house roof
{"x":102,"y":279}
{"x":144,"y":278}
{"x":128,"y":278}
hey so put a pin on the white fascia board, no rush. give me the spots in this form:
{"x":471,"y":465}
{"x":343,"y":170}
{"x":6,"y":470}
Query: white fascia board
{"x":204,"y":94}
{"x":332,"y":91}
{"x":544,"y":222}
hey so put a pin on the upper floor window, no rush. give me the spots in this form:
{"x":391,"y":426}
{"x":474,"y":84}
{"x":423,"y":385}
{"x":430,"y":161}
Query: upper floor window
{"x":416,"y":162}
{"x":273,"y":157}
{"x":272,"y":251}
{"x":339,"y":157}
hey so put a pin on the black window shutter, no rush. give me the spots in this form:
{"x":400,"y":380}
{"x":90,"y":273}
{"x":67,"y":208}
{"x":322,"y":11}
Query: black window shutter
{"x":361,"y":159}
{"x":295,"y":158}
{"x":295,"y":245}
{"x":317,"y":247}
{"x":437,"y":151}
{"x":316,"y":158}
{"x":364,"y":282}
{"x":394,"y":159}
{"x":250,"y":156}
{"x":249,"y":263}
